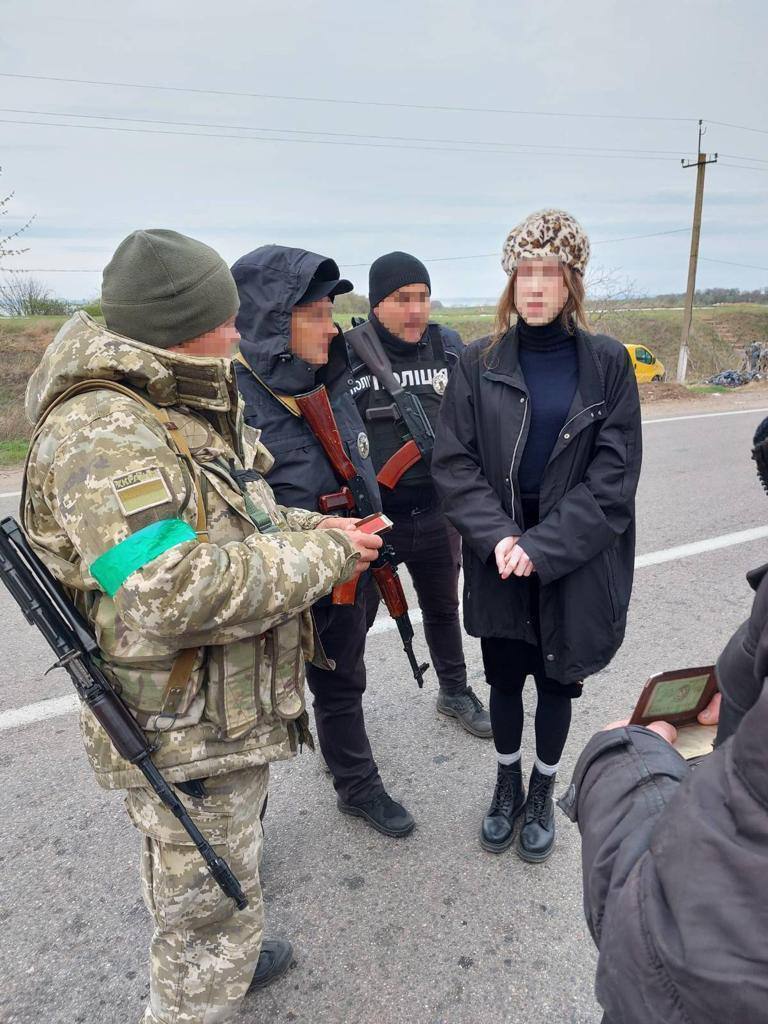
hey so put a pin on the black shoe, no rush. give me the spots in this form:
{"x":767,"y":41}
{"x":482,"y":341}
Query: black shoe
{"x":468,"y":708}
{"x":383,"y":813}
{"x":537,"y":836}
{"x":508,"y":801}
{"x":275,"y":958}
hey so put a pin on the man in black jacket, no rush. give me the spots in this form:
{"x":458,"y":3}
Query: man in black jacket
{"x":289,"y":344}
{"x":675,"y":860}
{"x":422,"y":355}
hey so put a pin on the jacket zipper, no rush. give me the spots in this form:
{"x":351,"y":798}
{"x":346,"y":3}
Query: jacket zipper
{"x":514,"y":456}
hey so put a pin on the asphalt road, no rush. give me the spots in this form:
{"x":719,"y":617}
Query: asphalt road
{"x":427,"y":930}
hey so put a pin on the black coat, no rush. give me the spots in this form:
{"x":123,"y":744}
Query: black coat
{"x":270,"y":281}
{"x":584,"y":545}
{"x":675,"y":860}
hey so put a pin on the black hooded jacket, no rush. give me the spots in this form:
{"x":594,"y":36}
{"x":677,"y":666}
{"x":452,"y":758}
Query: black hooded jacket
{"x":675,"y":860}
{"x":270,"y":281}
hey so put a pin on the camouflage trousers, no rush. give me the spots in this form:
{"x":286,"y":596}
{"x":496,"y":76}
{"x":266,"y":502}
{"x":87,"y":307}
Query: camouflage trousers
{"x":204,"y":951}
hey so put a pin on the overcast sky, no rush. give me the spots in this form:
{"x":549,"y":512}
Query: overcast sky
{"x":664,"y":59}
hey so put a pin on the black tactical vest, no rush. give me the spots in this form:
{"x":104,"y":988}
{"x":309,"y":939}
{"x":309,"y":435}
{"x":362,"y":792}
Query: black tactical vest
{"x":424,"y":375}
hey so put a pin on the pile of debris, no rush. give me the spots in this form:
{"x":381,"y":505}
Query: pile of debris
{"x":733,"y":378}
{"x":754,"y":367}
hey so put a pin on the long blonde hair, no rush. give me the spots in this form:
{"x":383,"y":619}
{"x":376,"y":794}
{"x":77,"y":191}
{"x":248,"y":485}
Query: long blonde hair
{"x":573,"y":313}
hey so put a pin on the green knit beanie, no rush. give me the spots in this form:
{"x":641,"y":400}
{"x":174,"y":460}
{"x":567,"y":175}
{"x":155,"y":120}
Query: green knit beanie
{"x":162,"y":288}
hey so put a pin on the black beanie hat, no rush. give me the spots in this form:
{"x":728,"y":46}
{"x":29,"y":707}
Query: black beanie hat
{"x":392,"y":271}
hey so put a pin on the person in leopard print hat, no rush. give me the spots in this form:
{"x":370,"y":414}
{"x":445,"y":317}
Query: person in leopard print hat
{"x":537,"y":459}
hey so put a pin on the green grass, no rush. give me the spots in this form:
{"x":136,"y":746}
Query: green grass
{"x":708,"y":389}
{"x":12,"y":453}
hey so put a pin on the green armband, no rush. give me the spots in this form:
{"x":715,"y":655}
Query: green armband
{"x":113,"y":568}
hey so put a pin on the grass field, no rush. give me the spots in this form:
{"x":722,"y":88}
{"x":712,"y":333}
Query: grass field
{"x":717,"y":333}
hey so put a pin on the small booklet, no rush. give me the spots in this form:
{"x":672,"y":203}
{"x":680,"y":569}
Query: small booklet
{"x":678,"y":698}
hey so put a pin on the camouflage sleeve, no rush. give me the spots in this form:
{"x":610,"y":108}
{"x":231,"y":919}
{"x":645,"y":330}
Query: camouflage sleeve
{"x":300,"y":518}
{"x":164,"y":582}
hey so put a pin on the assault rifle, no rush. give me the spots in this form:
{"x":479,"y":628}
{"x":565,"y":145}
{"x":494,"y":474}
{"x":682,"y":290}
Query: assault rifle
{"x":405,"y":409}
{"x":44,"y":605}
{"x":316,"y":409}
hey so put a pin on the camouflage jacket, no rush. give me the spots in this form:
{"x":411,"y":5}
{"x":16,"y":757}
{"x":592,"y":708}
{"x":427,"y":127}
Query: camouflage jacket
{"x":110,"y":505}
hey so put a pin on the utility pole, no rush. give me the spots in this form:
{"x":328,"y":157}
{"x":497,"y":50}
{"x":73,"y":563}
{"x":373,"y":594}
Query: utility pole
{"x":701,"y":163}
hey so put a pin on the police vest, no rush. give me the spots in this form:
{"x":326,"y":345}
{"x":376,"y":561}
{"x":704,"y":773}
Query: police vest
{"x":426,"y":377}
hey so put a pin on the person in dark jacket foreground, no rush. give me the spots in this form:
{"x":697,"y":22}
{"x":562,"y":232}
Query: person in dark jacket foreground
{"x":537,"y":458}
{"x":289,"y":344}
{"x":675,"y":860}
{"x":422,"y":355}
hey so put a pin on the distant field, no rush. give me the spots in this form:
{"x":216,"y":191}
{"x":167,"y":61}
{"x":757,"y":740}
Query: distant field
{"x":717,"y":334}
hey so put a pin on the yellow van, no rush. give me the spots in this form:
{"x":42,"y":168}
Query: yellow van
{"x":647,"y":366}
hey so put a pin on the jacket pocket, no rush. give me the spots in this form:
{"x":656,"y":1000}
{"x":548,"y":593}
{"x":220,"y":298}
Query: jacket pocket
{"x":287,"y":670}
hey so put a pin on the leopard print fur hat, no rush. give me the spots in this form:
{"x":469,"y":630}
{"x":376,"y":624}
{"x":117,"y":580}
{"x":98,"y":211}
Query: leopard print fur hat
{"x":547,"y":233}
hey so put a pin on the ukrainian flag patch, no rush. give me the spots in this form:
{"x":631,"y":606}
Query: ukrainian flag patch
{"x":140,"y":490}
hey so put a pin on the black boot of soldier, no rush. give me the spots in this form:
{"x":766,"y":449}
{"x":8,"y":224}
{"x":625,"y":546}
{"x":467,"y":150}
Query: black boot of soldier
{"x":508,"y":801}
{"x":382,"y":813}
{"x":537,"y":836}
{"x":275,"y":958}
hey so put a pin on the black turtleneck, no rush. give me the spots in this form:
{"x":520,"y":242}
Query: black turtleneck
{"x":550,"y":366}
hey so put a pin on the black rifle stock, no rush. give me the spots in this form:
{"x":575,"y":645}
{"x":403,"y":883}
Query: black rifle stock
{"x":366,"y":345}
{"x":44,"y":605}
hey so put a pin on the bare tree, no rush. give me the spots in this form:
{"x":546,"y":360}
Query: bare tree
{"x":5,"y":248}
{"x":27,"y":296}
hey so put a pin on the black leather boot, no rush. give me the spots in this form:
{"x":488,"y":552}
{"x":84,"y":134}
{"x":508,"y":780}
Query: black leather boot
{"x":382,"y":813}
{"x":508,"y":801}
{"x":537,"y":836}
{"x":275,"y":958}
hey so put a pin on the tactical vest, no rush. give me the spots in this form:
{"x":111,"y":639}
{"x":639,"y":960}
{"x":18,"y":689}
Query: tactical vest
{"x":209,"y":708}
{"x":425,"y":377}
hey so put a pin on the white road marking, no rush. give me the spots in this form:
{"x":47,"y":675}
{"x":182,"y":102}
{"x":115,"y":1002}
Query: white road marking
{"x":700,"y":547}
{"x":38,"y":712}
{"x":11,"y":494}
{"x":704,"y":416}
{"x":56,"y":706}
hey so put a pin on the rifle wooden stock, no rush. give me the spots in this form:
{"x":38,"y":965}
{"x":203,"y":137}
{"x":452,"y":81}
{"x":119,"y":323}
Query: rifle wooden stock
{"x":339,"y":501}
{"x":316,"y":409}
{"x":391,"y":590}
{"x":345,"y":593}
{"x":393,"y":469}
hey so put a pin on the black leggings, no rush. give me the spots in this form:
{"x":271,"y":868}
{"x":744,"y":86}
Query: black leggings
{"x":508,"y":663}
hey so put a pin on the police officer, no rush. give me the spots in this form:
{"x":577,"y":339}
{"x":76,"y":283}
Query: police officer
{"x":289,"y":346}
{"x":422,"y":355}
{"x":144,"y":494}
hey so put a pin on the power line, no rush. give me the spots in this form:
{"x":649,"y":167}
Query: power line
{"x":322,"y":142}
{"x":728,"y":263}
{"x":346,"y":101}
{"x":744,"y":167}
{"x":741,"y":127}
{"x":345,"y":135}
{"x":348,"y":266}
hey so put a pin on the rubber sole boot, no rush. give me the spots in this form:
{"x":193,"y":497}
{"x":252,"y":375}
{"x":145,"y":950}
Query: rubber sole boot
{"x":382,"y":813}
{"x":498,"y":829}
{"x":468,"y":709}
{"x":537,"y":835}
{"x":275,"y":958}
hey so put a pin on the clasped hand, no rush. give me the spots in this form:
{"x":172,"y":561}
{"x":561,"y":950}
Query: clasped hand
{"x":511,"y":559}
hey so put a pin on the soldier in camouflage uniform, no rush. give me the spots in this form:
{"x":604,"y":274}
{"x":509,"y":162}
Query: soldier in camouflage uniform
{"x":144,"y":495}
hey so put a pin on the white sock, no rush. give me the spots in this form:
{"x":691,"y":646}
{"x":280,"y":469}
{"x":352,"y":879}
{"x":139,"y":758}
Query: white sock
{"x":508,"y":759}
{"x":547,"y":769}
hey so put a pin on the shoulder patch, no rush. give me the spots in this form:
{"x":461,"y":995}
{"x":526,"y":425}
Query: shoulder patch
{"x":140,"y":490}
